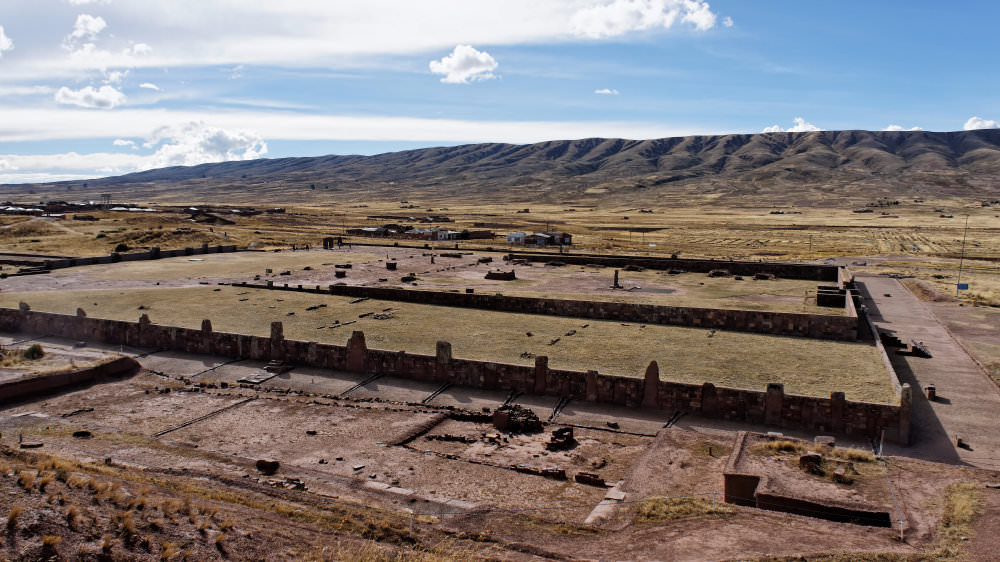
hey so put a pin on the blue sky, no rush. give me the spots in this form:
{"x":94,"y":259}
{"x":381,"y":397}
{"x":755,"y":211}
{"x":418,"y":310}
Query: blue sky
{"x":101,"y":87}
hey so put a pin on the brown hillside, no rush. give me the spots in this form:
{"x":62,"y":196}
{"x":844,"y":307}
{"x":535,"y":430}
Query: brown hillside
{"x":772,"y":168}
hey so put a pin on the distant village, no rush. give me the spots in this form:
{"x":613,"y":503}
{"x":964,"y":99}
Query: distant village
{"x":446,"y":234}
{"x":59,"y":210}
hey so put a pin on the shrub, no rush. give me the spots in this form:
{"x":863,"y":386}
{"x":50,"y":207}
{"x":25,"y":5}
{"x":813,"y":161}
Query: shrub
{"x":26,"y":479}
{"x":108,"y":544}
{"x":856,"y":455}
{"x":73,"y":518}
{"x":13,"y":516}
{"x":121,"y":248}
{"x":785,"y":445}
{"x":49,"y":544}
{"x":45,"y":481}
{"x":168,"y":550}
{"x":34,"y":352}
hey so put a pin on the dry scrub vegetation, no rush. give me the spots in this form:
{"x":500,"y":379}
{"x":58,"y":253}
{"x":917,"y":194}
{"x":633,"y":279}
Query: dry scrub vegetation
{"x":657,"y":509}
{"x":68,"y":510}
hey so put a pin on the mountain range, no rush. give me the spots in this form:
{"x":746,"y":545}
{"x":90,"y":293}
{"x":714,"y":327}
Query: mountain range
{"x":777,"y":169}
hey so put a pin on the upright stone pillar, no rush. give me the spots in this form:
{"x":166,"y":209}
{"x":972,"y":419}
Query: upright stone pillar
{"x":709,"y":401}
{"x":905,"y":403}
{"x":591,"y":386}
{"x":357,"y":353}
{"x":442,"y":362}
{"x":541,"y":374}
{"x":651,"y":386}
{"x":838,"y":404}
{"x":277,"y":341}
{"x":772,"y":403}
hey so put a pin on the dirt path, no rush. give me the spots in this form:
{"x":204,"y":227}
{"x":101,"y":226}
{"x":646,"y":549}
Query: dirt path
{"x":967,"y":403}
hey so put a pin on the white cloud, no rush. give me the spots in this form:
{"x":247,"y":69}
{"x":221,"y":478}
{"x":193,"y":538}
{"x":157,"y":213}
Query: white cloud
{"x":86,"y":27}
{"x":149,"y":86}
{"x":197,"y":143}
{"x":183,"y":145}
{"x":25,"y":90}
{"x":606,"y":92}
{"x":901,"y":128}
{"x":115,"y":76}
{"x":608,"y":19}
{"x":106,"y":97}
{"x":728,"y":21}
{"x":979,"y":123}
{"x":311,"y":34}
{"x":21,"y":124}
{"x":800,"y":126}
{"x":138,"y":50}
{"x":6,"y":44}
{"x":464,"y":64}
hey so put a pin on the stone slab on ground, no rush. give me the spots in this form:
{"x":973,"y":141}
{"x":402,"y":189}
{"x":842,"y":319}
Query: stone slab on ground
{"x":179,"y":364}
{"x":319,"y":381}
{"x":632,"y":420}
{"x":395,"y":389}
{"x":470,"y":398}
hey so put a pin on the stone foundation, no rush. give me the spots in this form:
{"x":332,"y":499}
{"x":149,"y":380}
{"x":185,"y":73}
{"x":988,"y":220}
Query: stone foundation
{"x":771,"y":406}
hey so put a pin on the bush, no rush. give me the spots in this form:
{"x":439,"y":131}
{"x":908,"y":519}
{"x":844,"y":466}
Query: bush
{"x":121,"y":248}
{"x":13,"y":515}
{"x":101,"y":235}
{"x":34,"y":352}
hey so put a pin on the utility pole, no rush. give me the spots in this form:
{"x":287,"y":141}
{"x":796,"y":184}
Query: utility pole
{"x":961,"y":259}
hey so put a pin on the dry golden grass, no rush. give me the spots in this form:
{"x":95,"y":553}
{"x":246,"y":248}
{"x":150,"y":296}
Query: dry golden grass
{"x":963,"y":501}
{"x":658,"y":509}
{"x":371,"y":551}
{"x":26,"y":480}
{"x":14,"y":515}
{"x":730,"y":359}
{"x":799,"y":447}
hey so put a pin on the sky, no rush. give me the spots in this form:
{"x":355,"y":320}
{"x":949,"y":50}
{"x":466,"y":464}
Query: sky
{"x":92,"y":88}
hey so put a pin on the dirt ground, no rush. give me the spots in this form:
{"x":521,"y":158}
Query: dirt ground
{"x":345,"y":450}
{"x":198,"y":443}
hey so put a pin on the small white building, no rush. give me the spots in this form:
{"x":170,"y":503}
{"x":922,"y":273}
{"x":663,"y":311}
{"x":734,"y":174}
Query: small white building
{"x":516,"y":238}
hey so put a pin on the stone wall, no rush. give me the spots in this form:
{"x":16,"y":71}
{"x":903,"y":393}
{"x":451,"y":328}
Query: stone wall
{"x":31,"y":386}
{"x":778,"y":323}
{"x":815,"y":272}
{"x":771,"y":407}
{"x":153,"y":254}
{"x":752,"y":487}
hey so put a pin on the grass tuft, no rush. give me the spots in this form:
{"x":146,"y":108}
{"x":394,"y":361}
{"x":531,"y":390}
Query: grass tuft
{"x":13,"y":516}
{"x":667,"y":509}
{"x":26,"y":480}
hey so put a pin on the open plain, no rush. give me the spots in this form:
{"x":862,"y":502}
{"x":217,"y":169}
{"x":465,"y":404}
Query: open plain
{"x":358,"y":452}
